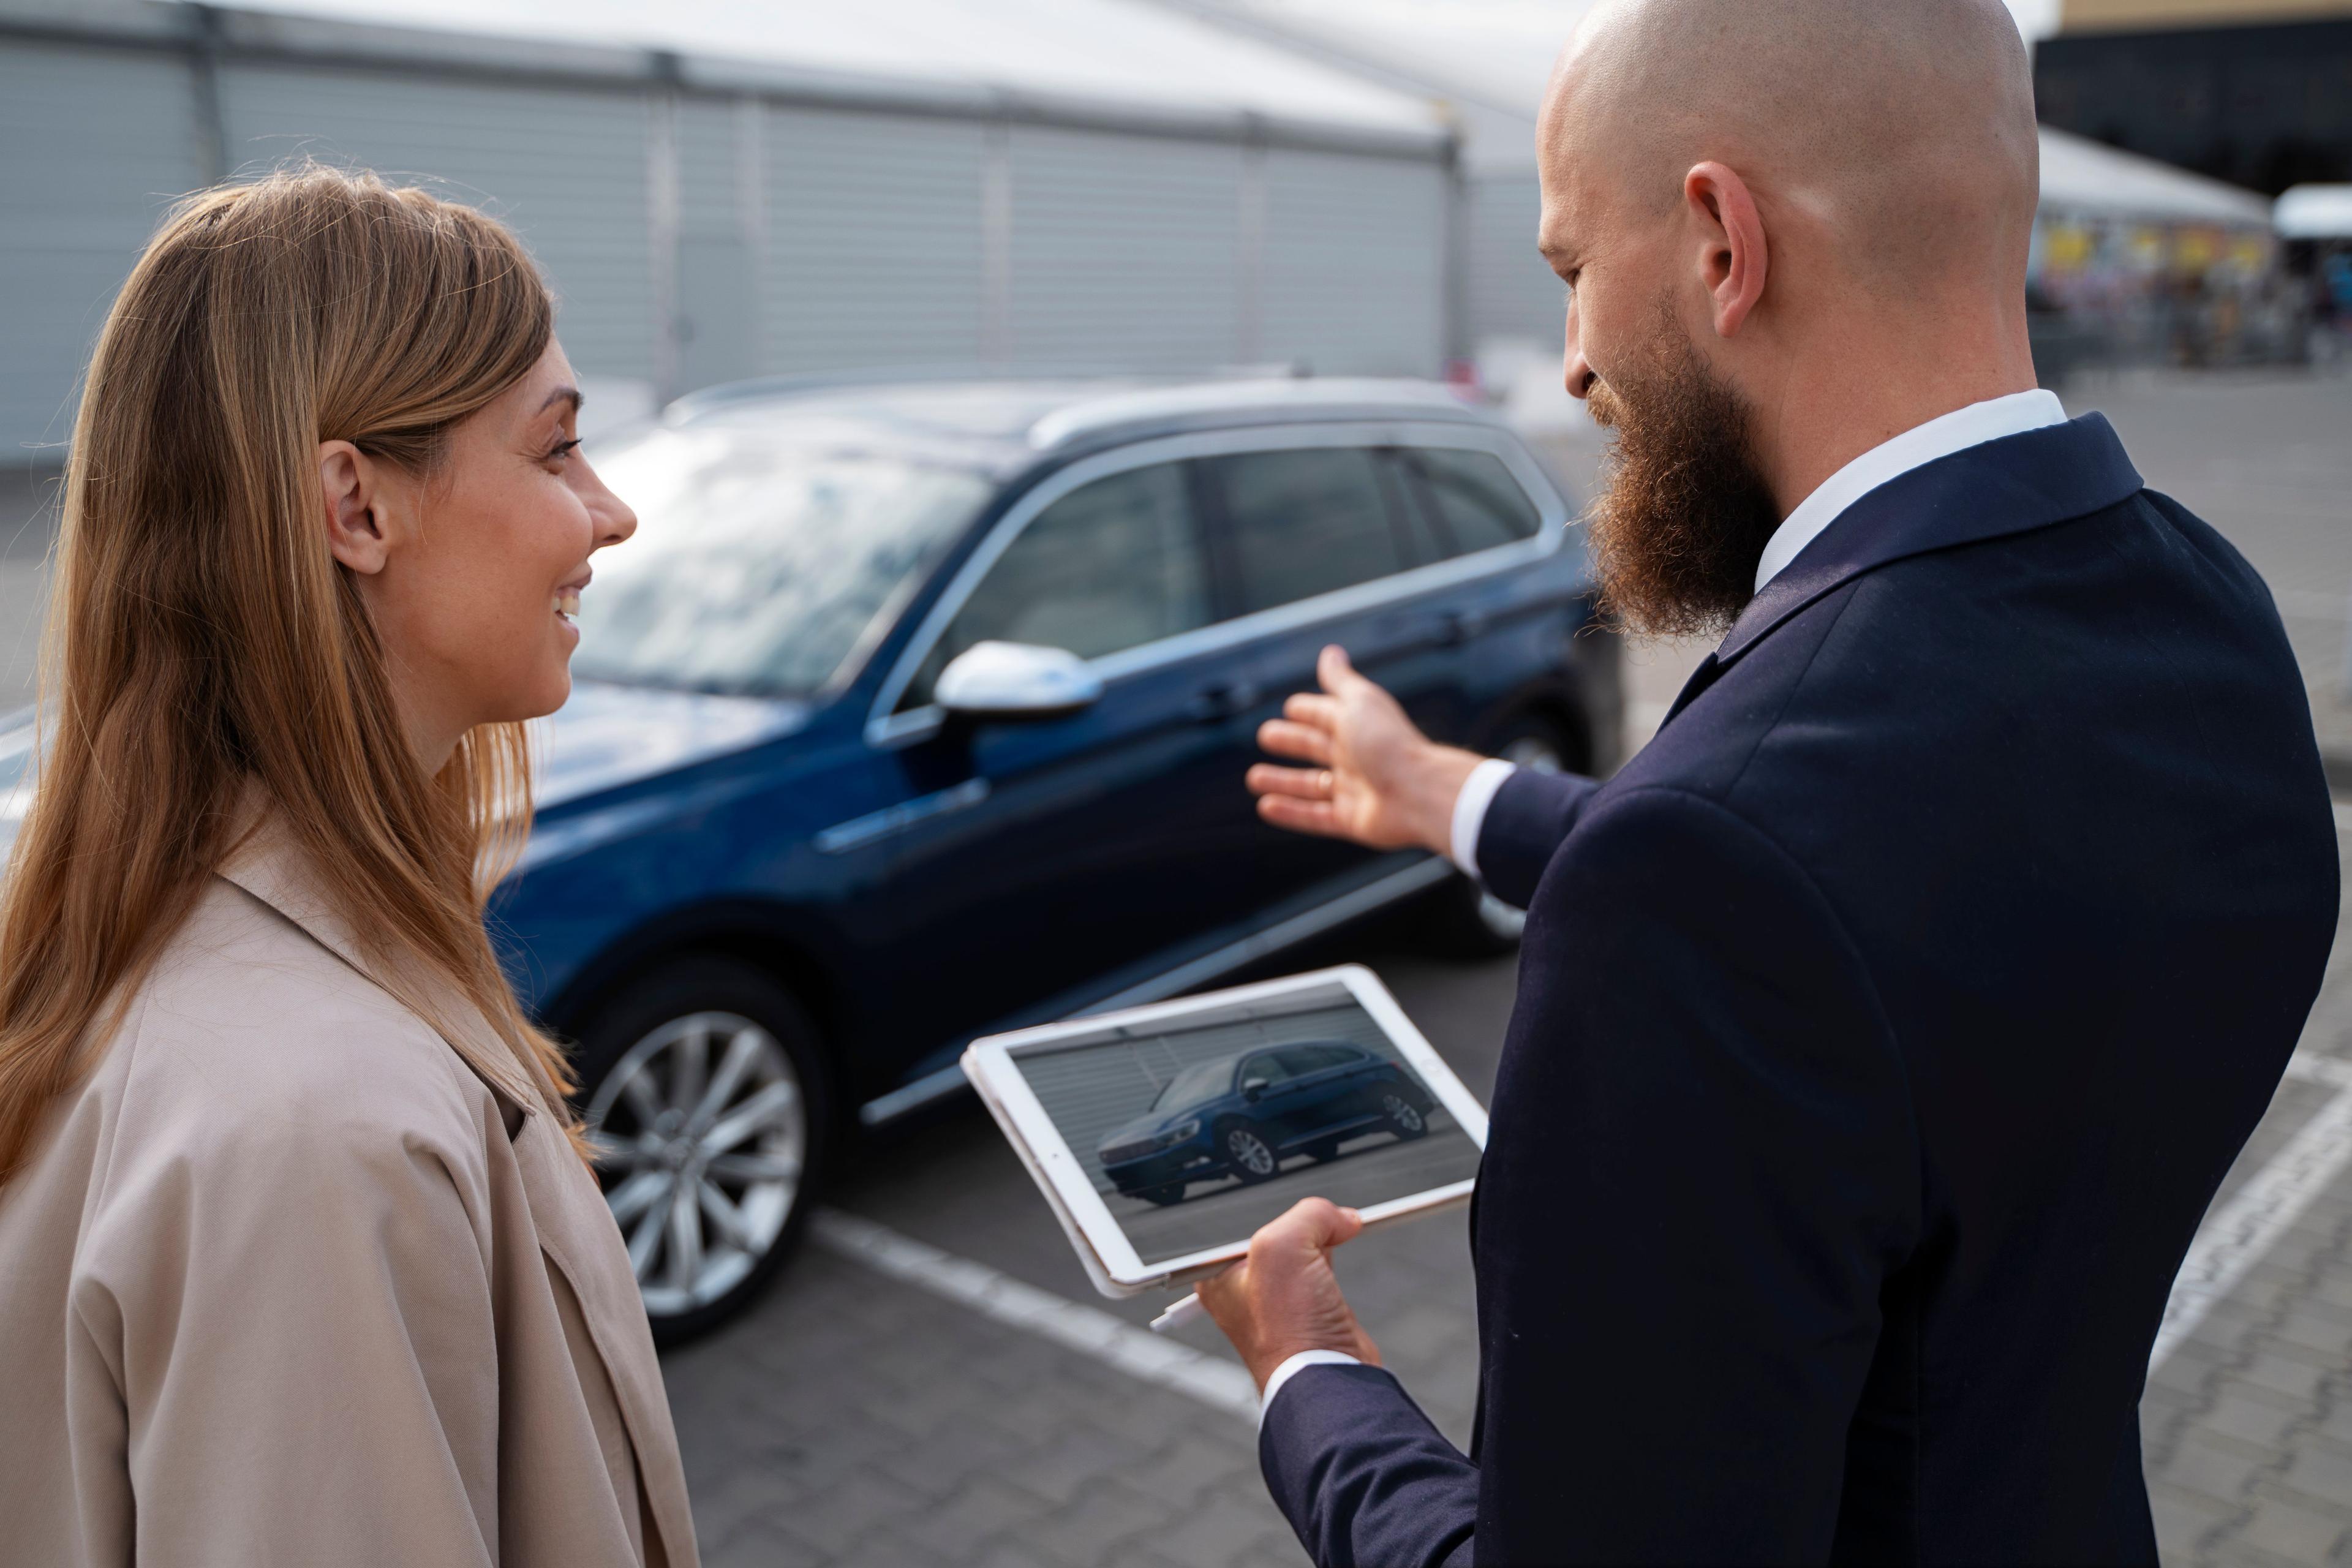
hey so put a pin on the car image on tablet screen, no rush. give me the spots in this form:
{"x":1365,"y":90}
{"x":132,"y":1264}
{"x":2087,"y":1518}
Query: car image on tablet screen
{"x":1241,"y":1115}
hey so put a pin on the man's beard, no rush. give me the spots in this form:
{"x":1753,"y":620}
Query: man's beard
{"x":1683,"y":511}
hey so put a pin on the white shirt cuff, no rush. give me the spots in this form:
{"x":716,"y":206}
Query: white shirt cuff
{"x":1292,"y":1368}
{"x":1470,"y":809}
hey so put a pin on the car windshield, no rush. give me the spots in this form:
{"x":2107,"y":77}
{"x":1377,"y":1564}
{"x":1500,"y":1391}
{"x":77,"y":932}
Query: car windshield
{"x":757,"y":567}
{"x":1202,"y":1080}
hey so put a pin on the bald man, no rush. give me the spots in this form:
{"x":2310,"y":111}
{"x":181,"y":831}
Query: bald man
{"x":1886,"y":1026}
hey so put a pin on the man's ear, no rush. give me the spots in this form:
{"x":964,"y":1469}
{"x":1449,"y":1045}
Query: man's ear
{"x":1731,"y":255}
{"x":357,"y":530}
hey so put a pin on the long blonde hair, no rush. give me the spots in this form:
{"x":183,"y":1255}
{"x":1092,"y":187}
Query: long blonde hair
{"x":203,"y":641}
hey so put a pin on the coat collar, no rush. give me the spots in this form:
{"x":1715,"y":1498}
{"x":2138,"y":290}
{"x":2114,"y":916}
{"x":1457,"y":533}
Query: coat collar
{"x":2012,"y":485}
{"x":266,"y":860}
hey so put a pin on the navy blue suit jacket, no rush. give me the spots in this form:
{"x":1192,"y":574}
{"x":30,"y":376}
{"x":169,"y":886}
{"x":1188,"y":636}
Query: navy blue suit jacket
{"x":1883,"y":1030}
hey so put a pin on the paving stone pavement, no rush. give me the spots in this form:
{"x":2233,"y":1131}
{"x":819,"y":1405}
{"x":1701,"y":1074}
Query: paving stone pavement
{"x":858,"y":1420}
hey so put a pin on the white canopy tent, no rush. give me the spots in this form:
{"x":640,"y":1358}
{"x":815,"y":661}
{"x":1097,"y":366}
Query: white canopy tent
{"x":1119,"y":56}
{"x":2314,"y":211}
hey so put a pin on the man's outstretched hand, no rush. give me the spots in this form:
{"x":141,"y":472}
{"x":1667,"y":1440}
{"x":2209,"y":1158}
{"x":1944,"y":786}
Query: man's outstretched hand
{"x":1373,"y":776}
{"x":1283,"y":1297}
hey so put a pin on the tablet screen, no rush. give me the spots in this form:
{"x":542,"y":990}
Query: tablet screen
{"x":1195,"y":1131}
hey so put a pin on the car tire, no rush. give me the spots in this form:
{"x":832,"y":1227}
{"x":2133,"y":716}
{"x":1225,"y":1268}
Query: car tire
{"x":1323,"y":1154}
{"x":1165,"y":1197}
{"x":1247,"y":1153}
{"x":1462,"y":919}
{"x":1407,"y":1117}
{"x":705,"y":1069}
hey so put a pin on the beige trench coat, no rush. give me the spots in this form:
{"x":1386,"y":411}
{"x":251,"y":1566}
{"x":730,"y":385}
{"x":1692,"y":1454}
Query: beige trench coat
{"x":285,"y":1282}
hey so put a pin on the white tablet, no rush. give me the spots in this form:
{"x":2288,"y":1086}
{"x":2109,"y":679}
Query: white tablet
{"x":1164,"y":1136}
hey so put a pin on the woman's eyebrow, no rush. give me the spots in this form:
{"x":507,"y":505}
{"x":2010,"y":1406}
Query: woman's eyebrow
{"x":563,"y":394}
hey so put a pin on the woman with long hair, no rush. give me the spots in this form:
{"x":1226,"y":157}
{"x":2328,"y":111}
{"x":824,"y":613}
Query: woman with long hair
{"x":299,"y":1261}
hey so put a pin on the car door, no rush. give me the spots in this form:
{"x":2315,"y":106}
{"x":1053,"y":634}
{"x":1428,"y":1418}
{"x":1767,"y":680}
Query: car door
{"x":1271,"y":1094}
{"x":1408,"y":551}
{"x":1071,"y":849}
{"x":1308,"y":531}
{"x":1323,"y":1097}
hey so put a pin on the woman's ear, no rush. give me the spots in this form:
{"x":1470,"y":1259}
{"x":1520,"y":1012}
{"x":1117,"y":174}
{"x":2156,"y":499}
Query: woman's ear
{"x":357,"y":530}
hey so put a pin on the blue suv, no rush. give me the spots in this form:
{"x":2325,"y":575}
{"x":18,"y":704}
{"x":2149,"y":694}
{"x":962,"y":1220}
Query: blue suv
{"x":919,"y":712}
{"x":1241,"y":1115}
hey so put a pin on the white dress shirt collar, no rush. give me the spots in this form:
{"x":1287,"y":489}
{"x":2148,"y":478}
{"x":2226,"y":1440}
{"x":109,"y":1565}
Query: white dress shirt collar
{"x":1922,"y":444}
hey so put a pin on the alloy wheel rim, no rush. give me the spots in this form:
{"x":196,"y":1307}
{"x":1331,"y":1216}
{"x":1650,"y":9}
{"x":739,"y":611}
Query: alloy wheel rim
{"x":1404,"y":1115}
{"x":1539,"y":757}
{"x":1252,"y":1152}
{"x":701,"y":1133}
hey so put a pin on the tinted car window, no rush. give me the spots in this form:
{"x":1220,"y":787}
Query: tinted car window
{"x":758,"y":568}
{"x":1315,"y":1059}
{"x":1202,"y":1080}
{"x":1111,"y":565}
{"x":1479,"y":505}
{"x":1305,"y":522}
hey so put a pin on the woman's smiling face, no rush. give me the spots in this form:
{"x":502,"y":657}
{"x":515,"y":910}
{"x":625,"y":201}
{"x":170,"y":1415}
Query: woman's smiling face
{"x":471,"y":572}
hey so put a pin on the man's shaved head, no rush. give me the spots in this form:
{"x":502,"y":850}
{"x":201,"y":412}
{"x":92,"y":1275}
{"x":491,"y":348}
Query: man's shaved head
{"x":1790,"y":229}
{"x":1905,"y":126}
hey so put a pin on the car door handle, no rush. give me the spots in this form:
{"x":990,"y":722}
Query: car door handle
{"x":1224,"y":702}
{"x":1458,"y":626}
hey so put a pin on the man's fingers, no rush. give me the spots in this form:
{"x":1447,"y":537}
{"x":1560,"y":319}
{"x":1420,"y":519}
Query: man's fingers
{"x":1310,"y":1225}
{"x":1334,"y":668}
{"x":1301,"y":815}
{"x":1313,"y":709}
{"x":1302,"y":783}
{"x":1302,"y":741}
{"x":1220,"y":1290}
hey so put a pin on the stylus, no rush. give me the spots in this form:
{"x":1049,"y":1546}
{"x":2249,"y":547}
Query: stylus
{"x":1188,"y":1311}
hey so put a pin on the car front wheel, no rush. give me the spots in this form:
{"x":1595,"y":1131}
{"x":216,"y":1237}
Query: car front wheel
{"x":1405,"y":1118}
{"x":705,"y":1096}
{"x":1250,"y":1155}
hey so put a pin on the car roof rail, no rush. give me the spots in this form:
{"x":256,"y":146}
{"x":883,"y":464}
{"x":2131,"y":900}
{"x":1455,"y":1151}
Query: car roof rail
{"x":774,"y":388}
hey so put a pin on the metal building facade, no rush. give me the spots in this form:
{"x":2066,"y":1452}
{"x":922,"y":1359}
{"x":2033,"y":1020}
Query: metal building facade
{"x":701,"y":224}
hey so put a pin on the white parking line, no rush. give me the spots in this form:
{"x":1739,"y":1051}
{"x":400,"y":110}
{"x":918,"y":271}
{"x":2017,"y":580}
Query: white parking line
{"x":1113,"y":1341}
{"x":2234,"y":1237}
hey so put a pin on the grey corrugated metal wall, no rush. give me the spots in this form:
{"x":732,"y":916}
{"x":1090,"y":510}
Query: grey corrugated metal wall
{"x":875,"y":247}
{"x":97,"y":143}
{"x":1512,"y":292}
{"x":1354,"y":262}
{"x":695,"y":236}
{"x":566,"y":166}
{"x":1126,"y":249}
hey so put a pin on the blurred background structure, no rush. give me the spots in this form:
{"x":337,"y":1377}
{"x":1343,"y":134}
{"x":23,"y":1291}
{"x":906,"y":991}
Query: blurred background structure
{"x":746,"y":190}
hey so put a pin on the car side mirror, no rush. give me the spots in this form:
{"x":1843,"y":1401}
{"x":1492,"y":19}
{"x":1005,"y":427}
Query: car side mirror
{"x":1010,"y":681}
{"x":1254,"y":1090}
